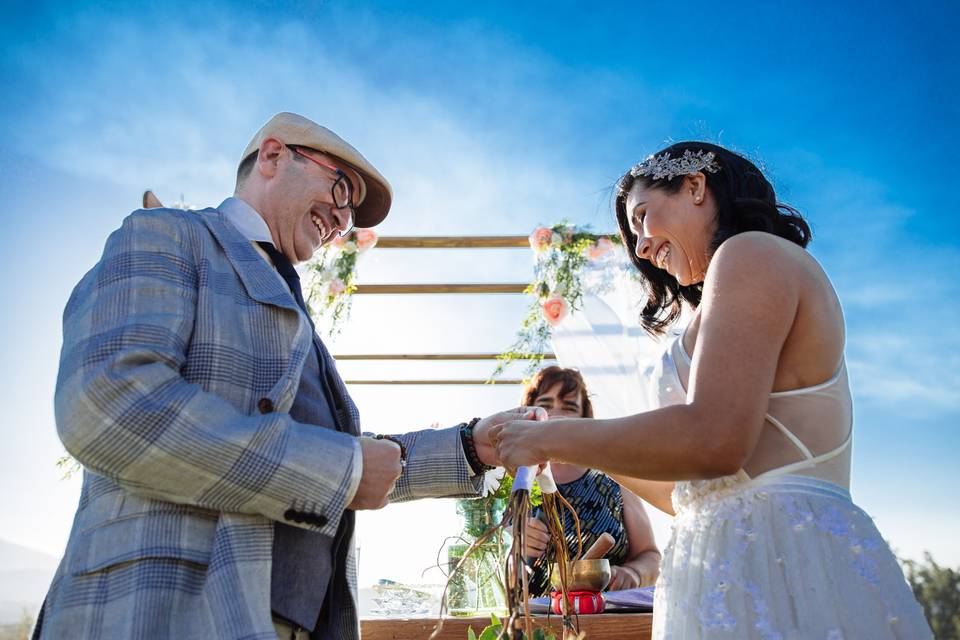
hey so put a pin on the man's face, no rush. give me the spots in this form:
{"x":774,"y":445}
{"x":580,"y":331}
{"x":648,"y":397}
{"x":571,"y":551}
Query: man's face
{"x":298,"y":204}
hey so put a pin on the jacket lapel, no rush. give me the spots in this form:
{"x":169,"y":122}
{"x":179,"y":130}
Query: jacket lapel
{"x":265,"y":285}
{"x":261,"y":281}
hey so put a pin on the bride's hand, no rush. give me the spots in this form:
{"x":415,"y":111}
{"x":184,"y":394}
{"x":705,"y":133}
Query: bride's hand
{"x":519,"y":443}
{"x":486,"y":450}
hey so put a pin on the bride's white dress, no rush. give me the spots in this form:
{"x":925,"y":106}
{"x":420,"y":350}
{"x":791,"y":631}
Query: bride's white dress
{"x":784,"y":554}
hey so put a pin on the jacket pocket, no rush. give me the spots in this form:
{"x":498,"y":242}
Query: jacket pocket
{"x":181,"y":536}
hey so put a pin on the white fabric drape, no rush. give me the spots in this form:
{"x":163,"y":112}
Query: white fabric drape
{"x":606,"y":344}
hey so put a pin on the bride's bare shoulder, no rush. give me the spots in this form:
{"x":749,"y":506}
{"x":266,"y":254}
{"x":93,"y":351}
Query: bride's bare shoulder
{"x":761,"y":244}
{"x":763,"y":255}
{"x":775,"y":274}
{"x":755,"y":256}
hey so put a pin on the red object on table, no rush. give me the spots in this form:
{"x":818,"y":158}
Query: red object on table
{"x":581,"y":602}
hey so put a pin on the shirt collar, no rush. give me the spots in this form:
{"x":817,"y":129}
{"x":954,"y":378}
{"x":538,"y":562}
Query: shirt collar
{"x":246,"y":219}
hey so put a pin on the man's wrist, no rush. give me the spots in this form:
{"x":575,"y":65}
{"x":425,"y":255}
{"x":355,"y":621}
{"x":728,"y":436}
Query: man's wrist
{"x":399,"y":443}
{"x":470,"y":448}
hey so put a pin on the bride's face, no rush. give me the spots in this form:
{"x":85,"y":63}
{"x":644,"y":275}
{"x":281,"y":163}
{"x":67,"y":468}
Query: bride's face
{"x":673,"y":229}
{"x":557,"y":406}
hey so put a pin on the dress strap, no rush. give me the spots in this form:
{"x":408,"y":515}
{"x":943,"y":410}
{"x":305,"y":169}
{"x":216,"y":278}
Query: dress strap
{"x":792,"y":438}
{"x":809,"y":462}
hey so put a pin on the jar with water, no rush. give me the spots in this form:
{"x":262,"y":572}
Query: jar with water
{"x":477,"y":588}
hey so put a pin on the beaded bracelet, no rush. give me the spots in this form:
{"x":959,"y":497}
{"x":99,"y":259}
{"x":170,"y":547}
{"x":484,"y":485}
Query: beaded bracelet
{"x":470,"y":448}
{"x":403,"y":448}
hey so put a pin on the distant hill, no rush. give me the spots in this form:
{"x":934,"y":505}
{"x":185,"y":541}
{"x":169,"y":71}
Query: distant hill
{"x":25,"y":575}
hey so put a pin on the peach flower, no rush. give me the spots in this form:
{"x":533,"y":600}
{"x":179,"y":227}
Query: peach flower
{"x":338,"y":240}
{"x":366,"y":239}
{"x":600,"y":248}
{"x":336,"y":287}
{"x":555,"y":309}
{"x":540,"y":238}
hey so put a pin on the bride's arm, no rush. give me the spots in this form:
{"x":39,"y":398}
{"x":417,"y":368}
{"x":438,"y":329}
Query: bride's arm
{"x":750,"y":299}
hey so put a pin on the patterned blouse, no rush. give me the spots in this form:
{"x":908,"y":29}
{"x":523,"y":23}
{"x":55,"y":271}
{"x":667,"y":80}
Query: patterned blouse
{"x":599,"y":505}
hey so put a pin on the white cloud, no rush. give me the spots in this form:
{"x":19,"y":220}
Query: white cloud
{"x":470,"y":145}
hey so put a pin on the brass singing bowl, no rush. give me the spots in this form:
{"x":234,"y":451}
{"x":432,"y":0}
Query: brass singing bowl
{"x":583,"y":575}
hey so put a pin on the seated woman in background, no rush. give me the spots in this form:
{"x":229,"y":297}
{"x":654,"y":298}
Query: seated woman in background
{"x":601,"y":504}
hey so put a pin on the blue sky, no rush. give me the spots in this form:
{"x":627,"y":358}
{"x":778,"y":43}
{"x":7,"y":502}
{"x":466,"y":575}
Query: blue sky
{"x":490,"y":119}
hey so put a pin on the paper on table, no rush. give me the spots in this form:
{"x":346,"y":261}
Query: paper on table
{"x":638,"y":599}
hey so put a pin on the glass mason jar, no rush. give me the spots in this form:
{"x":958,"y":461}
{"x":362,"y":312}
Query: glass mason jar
{"x":477,"y":588}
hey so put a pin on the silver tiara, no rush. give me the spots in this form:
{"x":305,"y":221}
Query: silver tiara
{"x":663,"y":166}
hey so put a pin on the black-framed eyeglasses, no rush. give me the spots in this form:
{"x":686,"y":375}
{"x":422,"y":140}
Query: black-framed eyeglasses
{"x":342,"y":190}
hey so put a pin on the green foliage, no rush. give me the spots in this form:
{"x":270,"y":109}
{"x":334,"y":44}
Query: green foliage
{"x":331,"y":287}
{"x":495,"y":630}
{"x":68,"y":465}
{"x":506,"y":487}
{"x":937,"y":589}
{"x":562,"y":252}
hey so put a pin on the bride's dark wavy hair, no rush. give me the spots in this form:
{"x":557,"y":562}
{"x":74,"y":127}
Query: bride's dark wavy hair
{"x":745,"y":201}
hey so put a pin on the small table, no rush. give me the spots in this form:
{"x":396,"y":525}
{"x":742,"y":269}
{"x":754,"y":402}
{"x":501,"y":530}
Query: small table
{"x":604,"y":626}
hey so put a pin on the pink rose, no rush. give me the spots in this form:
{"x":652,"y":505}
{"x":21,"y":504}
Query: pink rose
{"x":540,"y":238}
{"x":336,"y":287}
{"x":600,"y":248}
{"x":366,"y":239}
{"x":555,"y":309}
{"x":338,"y":240}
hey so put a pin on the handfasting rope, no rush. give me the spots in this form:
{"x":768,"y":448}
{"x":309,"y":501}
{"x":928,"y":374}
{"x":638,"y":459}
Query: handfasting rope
{"x":516,"y":572}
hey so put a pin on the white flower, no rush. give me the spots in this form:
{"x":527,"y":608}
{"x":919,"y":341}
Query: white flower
{"x":491,"y":481}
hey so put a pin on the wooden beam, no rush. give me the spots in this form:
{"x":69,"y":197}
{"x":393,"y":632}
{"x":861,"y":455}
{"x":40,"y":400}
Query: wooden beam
{"x":604,"y":626}
{"x":433,"y":356}
{"x":442,"y":288}
{"x":452,"y":242}
{"x":465,"y":382}
{"x":459,"y":242}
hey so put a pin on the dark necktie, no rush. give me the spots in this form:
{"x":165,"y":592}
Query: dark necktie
{"x":289,"y":274}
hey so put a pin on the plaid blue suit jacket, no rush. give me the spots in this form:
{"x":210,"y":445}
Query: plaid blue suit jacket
{"x":182,"y":353}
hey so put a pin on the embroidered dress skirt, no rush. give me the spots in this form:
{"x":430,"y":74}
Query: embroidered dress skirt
{"x":785,"y":557}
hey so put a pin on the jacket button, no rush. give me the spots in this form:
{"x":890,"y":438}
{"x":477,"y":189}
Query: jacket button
{"x":265,"y":405}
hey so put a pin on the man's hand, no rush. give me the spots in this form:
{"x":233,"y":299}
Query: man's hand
{"x":381,"y":468}
{"x":537,"y":537}
{"x":486,"y":451}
